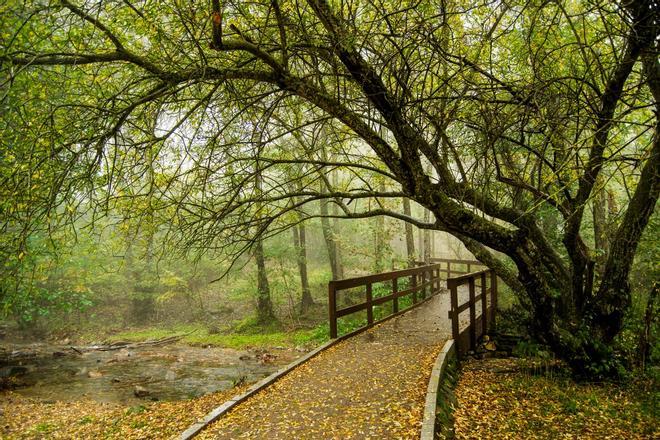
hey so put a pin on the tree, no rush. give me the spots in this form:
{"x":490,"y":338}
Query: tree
{"x":518,"y":108}
{"x":410,"y":238}
{"x":300,"y":244}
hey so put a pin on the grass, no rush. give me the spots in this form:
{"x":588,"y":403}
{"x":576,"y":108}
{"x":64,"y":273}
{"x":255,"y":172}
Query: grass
{"x":246,"y":337}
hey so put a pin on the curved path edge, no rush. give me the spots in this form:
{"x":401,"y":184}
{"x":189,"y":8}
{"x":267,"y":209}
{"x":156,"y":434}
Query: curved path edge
{"x":216,"y":413}
{"x":435,"y":381}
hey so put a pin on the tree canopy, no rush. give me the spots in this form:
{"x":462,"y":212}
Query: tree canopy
{"x":507,"y":120}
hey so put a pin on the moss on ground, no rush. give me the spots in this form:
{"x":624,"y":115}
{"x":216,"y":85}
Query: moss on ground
{"x":511,"y":398}
{"x":201,"y":335}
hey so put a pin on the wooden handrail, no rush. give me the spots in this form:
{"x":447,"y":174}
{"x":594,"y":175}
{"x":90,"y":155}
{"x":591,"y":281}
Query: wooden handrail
{"x":464,"y":279}
{"x":425,"y":281}
{"x":348,"y":283}
{"x":478,"y":326}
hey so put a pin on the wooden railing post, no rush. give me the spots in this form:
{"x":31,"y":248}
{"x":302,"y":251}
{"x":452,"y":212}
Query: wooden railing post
{"x":414,"y":286}
{"x":395,"y":291}
{"x":473,"y":316}
{"x":493,"y":298}
{"x":484,"y":305}
{"x":424,"y":281}
{"x":370,"y":311}
{"x":453,"y":291}
{"x":332,"y":308}
{"x":448,"y":269}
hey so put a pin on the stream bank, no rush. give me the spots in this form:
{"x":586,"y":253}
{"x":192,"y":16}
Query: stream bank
{"x":149,"y":392}
{"x":128,"y":376}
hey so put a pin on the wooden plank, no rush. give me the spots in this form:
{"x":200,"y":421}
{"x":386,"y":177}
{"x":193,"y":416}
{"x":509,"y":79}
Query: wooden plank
{"x":414,"y":288}
{"x":395,"y":296}
{"x":454,"y":307}
{"x":386,"y":276}
{"x":370,"y":308}
{"x":332,"y":309}
{"x":478,"y":324}
{"x":383,"y":299}
{"x":456,"y":261}
{"x":493,"y":298}
{"x":484,"y":306}
{"x":350,"y":310}
{"x":405,"y":292}
{"x":463,"y":342}
{"x":424,"y":283}
{"x":464,"y":279}
{"x":473,"y":317}
{"x":466,"y":305}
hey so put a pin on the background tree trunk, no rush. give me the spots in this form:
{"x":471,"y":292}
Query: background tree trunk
{"x":426,"y":257}
{"x":410,"y":238}
{"x":264,"y":304}
{"x":299,"y":241}
{"x":329,"y":237}
{"x":336,"y":233}
{"x":379,"y":243}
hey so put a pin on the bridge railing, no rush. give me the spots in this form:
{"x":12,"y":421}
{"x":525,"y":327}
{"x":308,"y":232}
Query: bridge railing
{"x":454,"y":266}
{"x":486,"y":281}
{"x":423,"y":282}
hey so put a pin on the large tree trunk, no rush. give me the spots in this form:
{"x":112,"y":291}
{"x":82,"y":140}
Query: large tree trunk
{"x":601,"y":240}
{"x":410,"y":238}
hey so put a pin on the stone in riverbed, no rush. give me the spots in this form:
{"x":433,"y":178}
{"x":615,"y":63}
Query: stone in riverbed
{"x":140,"y":391}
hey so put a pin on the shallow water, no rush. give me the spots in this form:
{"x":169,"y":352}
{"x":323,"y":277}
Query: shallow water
{"x":171,"y":372}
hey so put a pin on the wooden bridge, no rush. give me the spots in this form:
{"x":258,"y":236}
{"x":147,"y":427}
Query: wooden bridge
{"x":370,"y":381}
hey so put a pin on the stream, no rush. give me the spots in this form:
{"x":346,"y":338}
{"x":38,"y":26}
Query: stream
{"x":171,"y":372}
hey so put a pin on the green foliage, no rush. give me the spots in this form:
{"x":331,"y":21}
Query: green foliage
{"x":44,"y":279}
{"x":254,"y":337}
{"x":530,"y":349}
{"x":85,"y":420}
{"x":138,"y":409}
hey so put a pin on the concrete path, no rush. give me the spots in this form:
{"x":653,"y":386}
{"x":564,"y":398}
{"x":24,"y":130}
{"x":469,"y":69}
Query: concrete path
{"x":370,"y":386}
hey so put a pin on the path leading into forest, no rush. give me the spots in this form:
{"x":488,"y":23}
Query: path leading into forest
{"x":372,"y":385}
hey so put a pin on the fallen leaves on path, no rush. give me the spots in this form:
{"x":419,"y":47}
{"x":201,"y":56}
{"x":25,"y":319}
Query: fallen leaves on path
{"x":499,"y":399}
{"x":371,"y":386}
{"x":24,"y":418}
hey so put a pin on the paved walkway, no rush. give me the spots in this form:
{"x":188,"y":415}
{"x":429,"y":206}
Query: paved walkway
{"x":372,"y":385}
